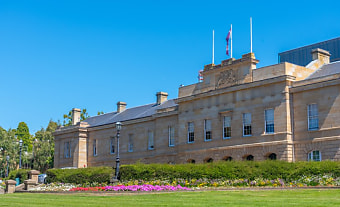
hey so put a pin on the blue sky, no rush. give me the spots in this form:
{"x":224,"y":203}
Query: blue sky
{"x":56,"y":55}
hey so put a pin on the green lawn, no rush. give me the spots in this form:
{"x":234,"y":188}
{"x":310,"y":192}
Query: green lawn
{"x":310,"y":197}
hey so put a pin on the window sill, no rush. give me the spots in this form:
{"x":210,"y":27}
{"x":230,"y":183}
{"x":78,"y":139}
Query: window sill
{"x":207,"y":140}
{"x":313,"y":130}
{"x":171,"y":145}
{"x":226,"y":137}
{"x":191,"y":142}
{"x":247,"y":135}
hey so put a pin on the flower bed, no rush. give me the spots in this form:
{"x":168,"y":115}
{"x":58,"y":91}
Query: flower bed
{"x":132,"y":188}
{"x":183,"y":184}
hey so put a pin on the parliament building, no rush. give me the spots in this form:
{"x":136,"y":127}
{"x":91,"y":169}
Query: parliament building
{"x":237,"y":112}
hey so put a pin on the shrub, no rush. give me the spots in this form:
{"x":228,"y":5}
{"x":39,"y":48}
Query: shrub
{"x":80,"y":176}
{"x":22,"y":174}
{"x":269,"y":170}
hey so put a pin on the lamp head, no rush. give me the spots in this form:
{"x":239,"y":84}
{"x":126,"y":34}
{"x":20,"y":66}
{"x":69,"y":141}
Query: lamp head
{"x":20,"y":142}
{"x":118,"y":125}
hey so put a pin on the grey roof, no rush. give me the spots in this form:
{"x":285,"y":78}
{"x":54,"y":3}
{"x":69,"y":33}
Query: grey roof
{"x":326,"y":70}
{"x":129,"y":114}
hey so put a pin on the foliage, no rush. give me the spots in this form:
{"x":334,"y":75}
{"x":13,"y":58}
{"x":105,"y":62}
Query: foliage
{"x":43,"y":154}
{"x":80,"y":175}
{"x":68,"y":117}
{"x":250,"y":171}
{"x":37,"y":154}
{"x":23,"y":134}
{"x":22,"y":174}
{"x":230,"y":170}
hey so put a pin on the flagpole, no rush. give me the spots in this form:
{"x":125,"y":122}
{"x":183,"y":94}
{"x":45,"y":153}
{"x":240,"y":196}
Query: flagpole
{"x":213,"y":45}
{"x":231,"y":41}
{"x":251,"y":36}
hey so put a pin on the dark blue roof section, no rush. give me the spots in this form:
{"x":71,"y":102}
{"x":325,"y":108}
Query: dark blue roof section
{"x":129,"y":114}
{"x":325,"y":70}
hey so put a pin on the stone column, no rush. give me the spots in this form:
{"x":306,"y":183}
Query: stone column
{"x":33,"y":175}
{"x":10,"y":186}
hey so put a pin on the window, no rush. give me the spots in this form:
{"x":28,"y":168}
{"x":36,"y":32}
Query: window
{"x":94,"y":147}
{"x":130,"y":144}
{"x":67,"y":150}
{"x":247,"y":124}
{"x":226,"y":127}
{"x":171,"y":132}
{"x":250,"y":158}
{"x":272,"y":156}
{"x":269,"y":121}
{"x":314,"y":156}
{"x":150,"y":140}
{"x":191,"y":133}
{"x":313,"y":119}
{"x":207,"y":130}
{"x":112,"y":145}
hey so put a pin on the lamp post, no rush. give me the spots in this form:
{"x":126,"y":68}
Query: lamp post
{"x":7,"y":158}
{"x":20,"y":147}
{"x":34,"y":141}
{"x":118,"y":128}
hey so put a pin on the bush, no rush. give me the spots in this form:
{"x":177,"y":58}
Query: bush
{"x":22,"y":174}
{"x":80,"y":176}
{"x":219,"y":170}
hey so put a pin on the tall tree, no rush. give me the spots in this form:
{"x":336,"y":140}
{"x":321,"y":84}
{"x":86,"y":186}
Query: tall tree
{"x":23,"y":134}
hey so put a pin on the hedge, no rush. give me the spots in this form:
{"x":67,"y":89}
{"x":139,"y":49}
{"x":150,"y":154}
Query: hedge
{"x":219,"y":170}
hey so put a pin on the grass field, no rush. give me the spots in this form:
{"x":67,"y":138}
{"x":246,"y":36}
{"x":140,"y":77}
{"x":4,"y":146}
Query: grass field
{"x":292,"y":197}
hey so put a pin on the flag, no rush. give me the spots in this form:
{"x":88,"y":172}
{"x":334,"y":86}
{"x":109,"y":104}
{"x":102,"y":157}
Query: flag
{"x":228,"y":37}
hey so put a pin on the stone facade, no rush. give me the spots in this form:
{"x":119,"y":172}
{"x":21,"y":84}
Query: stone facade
{"x":237,"y":112}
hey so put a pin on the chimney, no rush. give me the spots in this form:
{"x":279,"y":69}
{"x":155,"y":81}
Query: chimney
{"x":161,"y":97}
{"x":321,"y":55}
{"x":121,"y":106}
{"x":75,"y":116}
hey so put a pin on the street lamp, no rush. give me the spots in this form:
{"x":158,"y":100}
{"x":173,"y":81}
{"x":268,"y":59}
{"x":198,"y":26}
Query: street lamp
{"x":118,"y":128}
{"x":7,"y":158}
{"x":20,"y":147}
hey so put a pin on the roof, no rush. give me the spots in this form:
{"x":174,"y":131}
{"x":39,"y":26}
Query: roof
{"x":326,"y":70}
{"x":129,"y":114}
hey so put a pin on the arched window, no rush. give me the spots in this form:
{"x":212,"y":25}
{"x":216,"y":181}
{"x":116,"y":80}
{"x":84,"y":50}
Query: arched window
{"x":227,"y":158}
{"x":314,"y":156}
{"x":191,"y":161}
{"x":250,"y":158}
{"x":208,"y":160}
{"x":272,"y":156}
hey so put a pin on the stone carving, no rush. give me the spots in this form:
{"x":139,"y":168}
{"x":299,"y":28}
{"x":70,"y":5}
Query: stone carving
{"x":225,"y":78}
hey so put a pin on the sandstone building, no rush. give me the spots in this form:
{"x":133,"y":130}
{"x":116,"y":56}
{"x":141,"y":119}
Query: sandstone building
{"x":284,"y":111}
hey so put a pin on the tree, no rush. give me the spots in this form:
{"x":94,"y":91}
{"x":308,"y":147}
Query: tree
{"x":23,"y":134}
{"x":68,"y":117}
{"x":43,"y":153}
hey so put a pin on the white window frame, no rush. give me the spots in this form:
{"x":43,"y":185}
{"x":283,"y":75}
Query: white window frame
{"x":268,"y":121}
{"x":151,"y":143}
{"x":112,"y":145}
{"x":130,"y":143}
{"x":191,"y":132}
{"x":313,"y":117}
{"x":246,"y":122}
{"x":171,"y":134}
{"x":67,"y":149}
{"x":207,"y":130}
{"x":226,"y":127}
{"x":314,"y":155}
{"x":94,"y":145}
